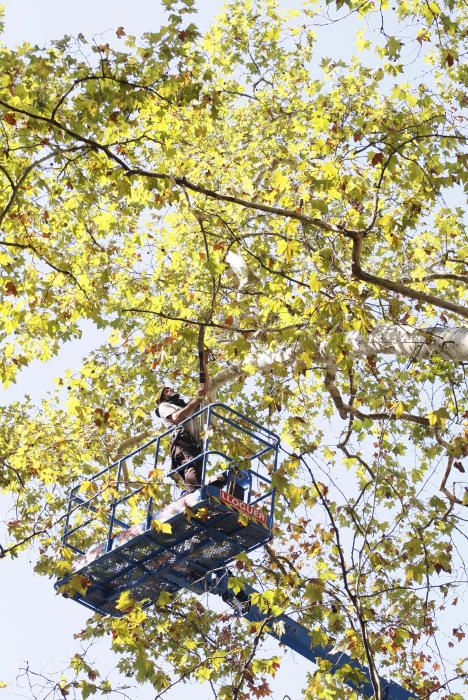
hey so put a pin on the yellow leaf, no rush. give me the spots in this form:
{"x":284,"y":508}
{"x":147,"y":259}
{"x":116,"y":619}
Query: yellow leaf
{"x":159,"y":526}
{"x":399,"y":410}
{"x":288,"y":248}
{"x":314,"y":591}
{"x":88,"y":487}
{"x":278,"y":180}
{"x":294,"y":494}
{"x":164,"y":598}
{"x":314,"y":283}
{"x":204,"y":673}
{"x":63,"y":568}
{"x":319,"y":637}
{"x":125,"y":602}
{"x":243,"y":519}
{"x":361,"y":43}
{"x":77,"y":584}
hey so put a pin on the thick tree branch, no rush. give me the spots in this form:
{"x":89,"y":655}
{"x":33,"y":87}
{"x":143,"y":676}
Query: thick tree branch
{"x":130,"y":442}
{"x":445,"y":276}
{"x":345,"y":409}
{"x":180,"y":181}
{"x":412,"y":342}
{"x":397,"y":287}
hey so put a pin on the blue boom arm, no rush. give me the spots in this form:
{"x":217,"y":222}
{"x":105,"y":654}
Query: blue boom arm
{"x":297,"y":637}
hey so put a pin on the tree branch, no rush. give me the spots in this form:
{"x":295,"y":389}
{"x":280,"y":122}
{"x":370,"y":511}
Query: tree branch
{"x":15,"y":186}
{"x":212,"y":324}
{"x":397,"y":287}
{"x":452,"y":498}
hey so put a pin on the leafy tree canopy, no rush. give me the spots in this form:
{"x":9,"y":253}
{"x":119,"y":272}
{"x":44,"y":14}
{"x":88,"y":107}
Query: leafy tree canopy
{"x":281,"y":197}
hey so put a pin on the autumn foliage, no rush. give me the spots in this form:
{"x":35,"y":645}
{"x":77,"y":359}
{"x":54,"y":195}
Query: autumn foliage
{"x":129,"y":171}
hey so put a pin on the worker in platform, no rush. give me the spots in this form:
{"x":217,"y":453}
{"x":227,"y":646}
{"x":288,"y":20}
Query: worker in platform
{"x":185,"y":440}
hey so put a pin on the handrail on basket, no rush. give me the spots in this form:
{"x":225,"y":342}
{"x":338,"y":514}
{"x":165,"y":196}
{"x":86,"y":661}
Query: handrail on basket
{"x":267,"y":438}
{"x":206,"y":409}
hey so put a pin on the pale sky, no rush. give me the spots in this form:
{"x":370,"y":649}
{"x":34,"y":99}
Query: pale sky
{"x":40,"y":21}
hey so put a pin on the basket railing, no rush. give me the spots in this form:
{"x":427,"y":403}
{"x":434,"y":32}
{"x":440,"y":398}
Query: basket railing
{"x":135,"y":486}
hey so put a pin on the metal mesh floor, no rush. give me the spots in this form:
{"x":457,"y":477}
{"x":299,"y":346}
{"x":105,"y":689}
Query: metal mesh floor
{"x":210,"y":536}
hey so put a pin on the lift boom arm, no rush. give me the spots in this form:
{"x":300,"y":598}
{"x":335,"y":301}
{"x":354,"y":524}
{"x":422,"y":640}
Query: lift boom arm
{"x":297,"y":637}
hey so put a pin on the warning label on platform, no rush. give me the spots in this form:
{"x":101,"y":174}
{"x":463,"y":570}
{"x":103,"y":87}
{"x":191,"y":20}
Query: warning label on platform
{"x":242,"y":507}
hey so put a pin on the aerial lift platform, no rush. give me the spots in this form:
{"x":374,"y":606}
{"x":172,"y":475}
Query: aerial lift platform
{"x":124,"y":540}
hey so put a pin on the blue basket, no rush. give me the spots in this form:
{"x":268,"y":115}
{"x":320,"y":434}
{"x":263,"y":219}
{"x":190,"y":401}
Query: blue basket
{"x":174,"y":544}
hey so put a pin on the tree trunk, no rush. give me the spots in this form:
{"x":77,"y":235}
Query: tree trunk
{"x":388,"y":339}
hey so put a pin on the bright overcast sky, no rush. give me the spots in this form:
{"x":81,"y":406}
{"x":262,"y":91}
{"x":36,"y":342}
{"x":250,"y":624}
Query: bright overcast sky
{"x":39,"y":21}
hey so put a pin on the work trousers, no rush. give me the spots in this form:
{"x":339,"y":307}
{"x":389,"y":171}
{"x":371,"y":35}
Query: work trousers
{"x":192,"y":474}
{"x":185,"y":448}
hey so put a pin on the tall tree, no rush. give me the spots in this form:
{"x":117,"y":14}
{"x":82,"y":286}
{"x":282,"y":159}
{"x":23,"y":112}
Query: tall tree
{"x":305,"y":210}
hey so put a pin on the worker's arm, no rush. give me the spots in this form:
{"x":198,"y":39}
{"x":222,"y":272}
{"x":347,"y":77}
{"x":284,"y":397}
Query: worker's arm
{"x":193,"y":405}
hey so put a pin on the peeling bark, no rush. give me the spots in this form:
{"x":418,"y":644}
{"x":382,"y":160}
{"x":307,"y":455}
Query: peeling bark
{"x":408,"y":341}
{"x":405,"y":341}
